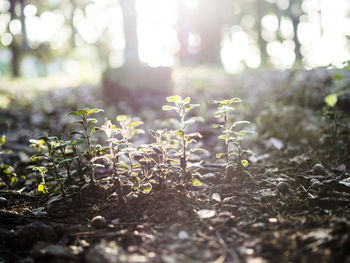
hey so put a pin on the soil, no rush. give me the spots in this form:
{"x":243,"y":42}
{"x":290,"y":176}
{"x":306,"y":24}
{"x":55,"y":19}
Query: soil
{"x":253,"y":219}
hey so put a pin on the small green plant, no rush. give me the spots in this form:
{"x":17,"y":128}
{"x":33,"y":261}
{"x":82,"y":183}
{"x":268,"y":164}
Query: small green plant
{"x":86,"y":121}
{"x":335,"y":130}
{"x":50,"y":156}
{"x":182,"y":107}
{"x":232,"y":138}
{"x":160,"y":159}
{"x":8,"y":176}
{"x":119,"y":143}
{"x":42,"y":188}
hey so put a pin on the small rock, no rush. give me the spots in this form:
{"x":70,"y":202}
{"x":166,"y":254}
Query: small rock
{"x":183,"y":235}
{"x":341,"y":168}
{"x":268,"y":172}
{"x":319,"y":169}
{"x":116,"y":221}
{"x":205,"y":213}
{"x":314,"y":180}
{"x":208,"y":176}
{"x":282,"y":187}
{"x":39,"y":213}
{"x":216,"y":197}
{"x":3,"y":201}
{"x":99,"y":222}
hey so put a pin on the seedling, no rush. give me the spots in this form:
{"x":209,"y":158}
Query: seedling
{"x":85,"y":120}
{"x":50,"y":150}
{"x":232,"y":139}
{"x":7,"y":172}
{"x":182,"y":108}
{"x":161,"y":160}
{"x":119,"y":143}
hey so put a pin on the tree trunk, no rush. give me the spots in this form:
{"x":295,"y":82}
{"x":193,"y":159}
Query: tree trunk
{"x":131,"y":53}
{"x":24,"y":29}
{"x":14,"y":46}
{"x":261,"y":41}
{"x":295,"y":20}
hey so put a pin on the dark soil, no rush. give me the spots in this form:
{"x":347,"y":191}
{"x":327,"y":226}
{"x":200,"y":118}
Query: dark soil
{"x":250,"y":219}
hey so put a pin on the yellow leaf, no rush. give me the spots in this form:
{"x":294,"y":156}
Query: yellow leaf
{"x":331,"y":100}
{"x":245,"y":163}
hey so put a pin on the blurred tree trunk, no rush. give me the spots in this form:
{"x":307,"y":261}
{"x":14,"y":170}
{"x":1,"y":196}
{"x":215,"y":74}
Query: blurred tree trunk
{"x":14,"y":45}
{"x":74,"y":31}
{"x":209,"y":25}
{"x":294,"y":13}
{"x":24,"y":29}
{"x":183,"y":32}
{"x":261,"y":42}
{"x":131,"y":53}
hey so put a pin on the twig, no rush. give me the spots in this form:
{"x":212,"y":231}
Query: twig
{"x":313,"y":197}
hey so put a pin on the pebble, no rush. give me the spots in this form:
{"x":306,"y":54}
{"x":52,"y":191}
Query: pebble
{"x":314,"y":180}
{"x":99,"y":222}
{"x":183,"y":235}
{"x":3,"y":201}
{"x":268,"y":172}
{"x":39,"y":213}
{"x":319,"y":169}
{"x":282,"y":187}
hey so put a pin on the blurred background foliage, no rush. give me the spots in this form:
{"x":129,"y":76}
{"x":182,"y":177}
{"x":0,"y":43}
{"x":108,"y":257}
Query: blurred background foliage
{"x":81,"y":38}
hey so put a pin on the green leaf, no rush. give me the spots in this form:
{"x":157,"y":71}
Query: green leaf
{"x":179,"y":134}
{"x":2,"y":140}
{"x":76,"y":113}
{"x":75,"y":132}
{"x":239,"y":123}
{"x":195,"y":182}
{"x":135,"y":124}
{"x":223,"y":137}
{"x":199,"y":150}
{"x":189,"y":107}
{"x":90,"y":111}
{"x":176,"y":99}
{"x":92,"y":120}
{"x":83,"y":112}
{"x":186,"y":100}
{"x":219,"y":155}
{"x":146,"y":188}
{"x":168,"y":107}
{"x":331,"y":100}
{"x":121,"y":118}
{"x":245,"y":163}
{"x":217,"y":126}
{"x":42,"y":189}
{"x":235,"y":100}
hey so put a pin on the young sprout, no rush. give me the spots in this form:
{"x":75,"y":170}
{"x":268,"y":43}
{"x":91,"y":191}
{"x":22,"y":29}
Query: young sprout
{"x":85,"y":120}
{"x":161,"y":161}
{"x":7,"y":172}
{"x":233,"y":139}
{"x":50,"y":151}
{"x":182,"y":108}
{"x":119,"y":143}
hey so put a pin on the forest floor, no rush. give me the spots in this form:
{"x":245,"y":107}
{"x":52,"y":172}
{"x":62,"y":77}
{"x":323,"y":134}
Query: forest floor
{"x":251,"y":219}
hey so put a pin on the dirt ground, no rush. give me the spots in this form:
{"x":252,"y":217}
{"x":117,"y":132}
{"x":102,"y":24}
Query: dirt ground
{"x":289,"y":210}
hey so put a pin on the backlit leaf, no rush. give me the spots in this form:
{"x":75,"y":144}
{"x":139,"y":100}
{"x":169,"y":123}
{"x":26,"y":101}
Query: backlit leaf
{"x":168,"y":107}
{"x":121,"y":118}
{"x":245,"y":163}
{"x":176,"y":99}
{"x":331,"y":100}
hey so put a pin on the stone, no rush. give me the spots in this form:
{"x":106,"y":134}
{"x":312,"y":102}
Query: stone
{"x":319,"y":169}
{"x":3,"y":201}
{"x":99,"y":222}
{"x":282,"y":187}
